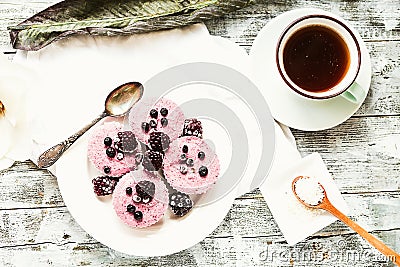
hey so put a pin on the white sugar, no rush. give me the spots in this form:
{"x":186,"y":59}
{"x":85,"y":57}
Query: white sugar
{"x":309,"y":190}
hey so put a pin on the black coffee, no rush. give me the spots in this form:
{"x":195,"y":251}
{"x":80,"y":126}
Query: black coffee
{"x":316,"y":58}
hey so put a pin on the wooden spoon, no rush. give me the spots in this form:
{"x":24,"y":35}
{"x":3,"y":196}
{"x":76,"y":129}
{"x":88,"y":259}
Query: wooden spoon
{"x":325,"y":204}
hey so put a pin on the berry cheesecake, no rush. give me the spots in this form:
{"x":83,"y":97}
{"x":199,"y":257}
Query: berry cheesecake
{"x":140,"y":199}
{"x":156,"y":115}
{"x":190,"y":165}
{"x":111,"y":149}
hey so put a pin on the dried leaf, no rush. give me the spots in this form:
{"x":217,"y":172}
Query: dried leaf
{"x":103,"y":17}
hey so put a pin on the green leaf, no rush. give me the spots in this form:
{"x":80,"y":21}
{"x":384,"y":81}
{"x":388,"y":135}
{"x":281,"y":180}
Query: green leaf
{"x":103,"y":17}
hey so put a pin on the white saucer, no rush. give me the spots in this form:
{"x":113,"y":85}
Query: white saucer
{"x":286,"y":106}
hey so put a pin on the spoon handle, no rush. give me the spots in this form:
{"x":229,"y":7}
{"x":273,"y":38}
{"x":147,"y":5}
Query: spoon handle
{"x":50,"y":156}
{"x":379,"y":245}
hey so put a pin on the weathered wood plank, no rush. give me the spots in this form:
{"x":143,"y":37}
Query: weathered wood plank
{"x":374,"y":22}
{"x":384,"y":94}
{"x":363,"y":154}
{"x":349,"y":250}
{"x":26,"y":186}
{"x":248,"y":218}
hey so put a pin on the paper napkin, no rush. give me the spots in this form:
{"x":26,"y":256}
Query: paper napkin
{"x":294,"y":220}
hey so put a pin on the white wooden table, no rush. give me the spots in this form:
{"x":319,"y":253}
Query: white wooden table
{"x":363,"y":154}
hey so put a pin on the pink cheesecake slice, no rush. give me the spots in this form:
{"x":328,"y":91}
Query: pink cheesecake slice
{"x":191,"y":166}
{"x":121,"y":162}
{"x":156,"y":115}
{"x":127,"y":201}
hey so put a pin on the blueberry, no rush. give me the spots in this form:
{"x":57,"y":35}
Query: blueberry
{"x":136,"y":199}
{"x":153,"y":124}
{"x":154,"y":113}
{"x":107,"y":141}
{"x":190,"y":162}
{"x":138,"y":215}
{"x":106,"y":169}
{"x":128,"y":191}
{"x":164,"y":122}
{"x":201,"y":155}
{"x":130,"y":208}
{"x":183,"y":158}
{"x":185,"y":149}
{"x":145,"y":127}
{"x":203,"y":171}
{"x":120,"y":156}
{"x":183,"y":169}
{"x":110,"y":152}
{"x":146,"y":200}
{"x":164,"y":112}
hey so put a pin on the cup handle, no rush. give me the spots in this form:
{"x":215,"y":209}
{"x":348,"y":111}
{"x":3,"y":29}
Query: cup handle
{"x":355,"y":93}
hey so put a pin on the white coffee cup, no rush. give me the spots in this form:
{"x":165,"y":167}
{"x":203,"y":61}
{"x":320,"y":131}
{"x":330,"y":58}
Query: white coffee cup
{"x":346,"y":85}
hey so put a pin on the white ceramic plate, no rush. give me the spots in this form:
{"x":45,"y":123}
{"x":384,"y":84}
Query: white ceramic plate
{"x":286,"y":106}
{"x":236,"y":120}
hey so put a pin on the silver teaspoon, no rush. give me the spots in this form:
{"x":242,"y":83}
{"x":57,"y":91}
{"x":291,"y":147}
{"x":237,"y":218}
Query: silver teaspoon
{"x":117,"y":104}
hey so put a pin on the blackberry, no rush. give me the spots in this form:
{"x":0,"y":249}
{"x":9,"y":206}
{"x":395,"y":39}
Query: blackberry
{"x":164,"y":122}
{"x":130,"y":208}
{"x":126,"y":142}
{"x":159,"y":141}
{"x":110,"y":151}
{"x":203,"y":171}
{"x":154,"y":113}
{"x":192,"y":127}
{"x":152,"y":160}
{"x":180,"y":203}
{"x":107,"y":141}
{"x":103,"y":185}
{"x":115,"y":178}
{"x":145,"y":189}
{"x":201,"y":155}
{"x":145,"y":127}
{"x":164,"y":112}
